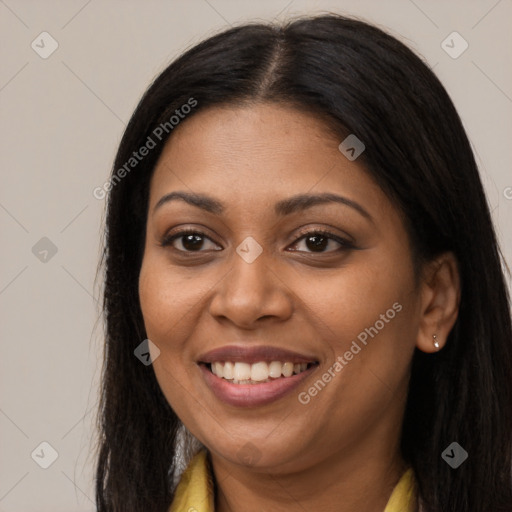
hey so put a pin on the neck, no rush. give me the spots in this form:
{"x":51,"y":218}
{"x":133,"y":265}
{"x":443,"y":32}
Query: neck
{"x":350,"y":479}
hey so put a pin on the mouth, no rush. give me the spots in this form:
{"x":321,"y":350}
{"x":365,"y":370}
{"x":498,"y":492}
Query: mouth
{"x":241,"y":373}
{"x":254,"y":376}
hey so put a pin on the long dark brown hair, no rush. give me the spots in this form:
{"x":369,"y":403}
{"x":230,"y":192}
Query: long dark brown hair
{"x":363,"y":81}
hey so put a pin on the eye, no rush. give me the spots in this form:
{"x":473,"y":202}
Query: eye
{"x":317,"y":240}
{"x":192,"y":240}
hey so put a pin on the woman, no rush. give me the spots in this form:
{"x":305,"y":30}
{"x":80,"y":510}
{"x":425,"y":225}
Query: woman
{"x":298,"y":240}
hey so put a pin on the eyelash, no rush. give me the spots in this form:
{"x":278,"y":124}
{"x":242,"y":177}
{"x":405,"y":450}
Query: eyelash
{"x":345,"y":244}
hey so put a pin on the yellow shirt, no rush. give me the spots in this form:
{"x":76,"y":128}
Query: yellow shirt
{"x":195,"y":490}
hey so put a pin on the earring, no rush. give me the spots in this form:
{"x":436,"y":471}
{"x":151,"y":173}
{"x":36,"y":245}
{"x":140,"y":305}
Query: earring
{"x":436,"y":343}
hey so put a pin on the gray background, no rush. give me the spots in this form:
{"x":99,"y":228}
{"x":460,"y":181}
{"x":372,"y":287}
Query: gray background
{"x":61,"y":120}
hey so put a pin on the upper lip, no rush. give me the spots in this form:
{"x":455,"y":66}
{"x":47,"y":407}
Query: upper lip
{"x":255,"y":354}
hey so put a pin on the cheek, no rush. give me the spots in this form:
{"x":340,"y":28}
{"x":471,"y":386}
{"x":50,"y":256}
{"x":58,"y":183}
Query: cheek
{"x":367,"y":311}
{"x":354,"y":298}
{"x":172,"y":301}
{"x":166,"y":298}
{"x":165,"y":301}
{"x":164,"y":304}
{"x":155,"y":301}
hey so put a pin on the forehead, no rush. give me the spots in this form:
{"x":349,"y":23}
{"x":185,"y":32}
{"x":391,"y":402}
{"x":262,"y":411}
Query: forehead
{"x":259,"y":148}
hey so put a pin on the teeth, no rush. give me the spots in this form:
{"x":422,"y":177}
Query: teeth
{"x":275,"y":369}
{"x":244,"y":373}
{"x":259,"y":371}
{"x":218,"y":369}
{"x":287,"y":369}
{"x":241,"y":371}
{"x":227,"y":370}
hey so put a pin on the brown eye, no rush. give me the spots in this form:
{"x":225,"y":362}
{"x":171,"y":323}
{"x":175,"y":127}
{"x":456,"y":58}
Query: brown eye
{"x":191,"y":241}
{"x":317,"y":241}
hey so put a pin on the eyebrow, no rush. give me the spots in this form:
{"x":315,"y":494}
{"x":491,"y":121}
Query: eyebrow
{"x":281,"y":208}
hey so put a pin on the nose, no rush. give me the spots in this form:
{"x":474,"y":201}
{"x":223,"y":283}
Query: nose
{"x":251,"y":292}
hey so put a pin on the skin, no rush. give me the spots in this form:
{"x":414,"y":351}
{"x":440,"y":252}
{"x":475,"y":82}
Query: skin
{"x":340,"y":451}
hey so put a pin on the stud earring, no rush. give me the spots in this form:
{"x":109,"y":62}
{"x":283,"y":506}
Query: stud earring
{"x":436,"y":343}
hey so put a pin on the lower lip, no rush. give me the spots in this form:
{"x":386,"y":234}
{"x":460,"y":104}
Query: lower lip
{"x":251,"y":395}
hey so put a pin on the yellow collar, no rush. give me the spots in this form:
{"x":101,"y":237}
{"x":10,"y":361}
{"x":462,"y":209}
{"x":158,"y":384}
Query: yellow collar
{"x":195,"y":490}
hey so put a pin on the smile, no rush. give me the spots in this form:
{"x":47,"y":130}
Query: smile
{"x":261,"y":372}
{"x":251,"y":376}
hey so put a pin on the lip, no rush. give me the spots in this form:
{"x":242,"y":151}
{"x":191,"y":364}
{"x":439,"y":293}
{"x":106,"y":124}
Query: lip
{"x":250,"y":355}
{"x":252,"y":395}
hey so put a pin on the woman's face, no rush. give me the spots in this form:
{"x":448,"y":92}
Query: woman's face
{"x":258,"y":288}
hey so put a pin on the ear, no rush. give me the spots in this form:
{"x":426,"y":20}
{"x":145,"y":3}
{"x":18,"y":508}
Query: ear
{"x":440,"y":299}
